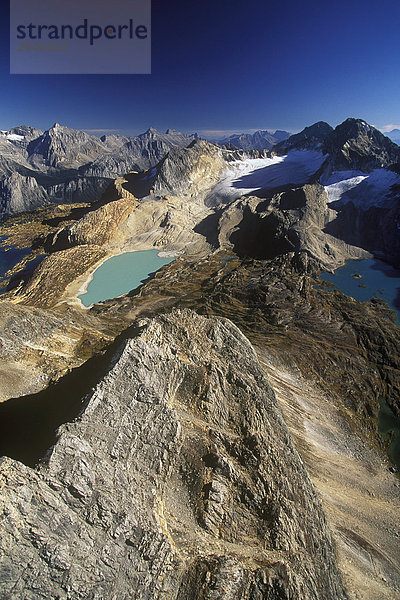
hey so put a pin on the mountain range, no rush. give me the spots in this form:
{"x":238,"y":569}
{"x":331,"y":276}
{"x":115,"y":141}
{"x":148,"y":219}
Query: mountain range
{"x":394,"y":135}
{"x":67,"y":165}
{"x":259,"y":140}
{"x":217,"y":431}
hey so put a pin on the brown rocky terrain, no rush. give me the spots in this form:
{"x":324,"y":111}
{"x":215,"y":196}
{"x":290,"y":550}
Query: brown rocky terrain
{"x":212,"y":496}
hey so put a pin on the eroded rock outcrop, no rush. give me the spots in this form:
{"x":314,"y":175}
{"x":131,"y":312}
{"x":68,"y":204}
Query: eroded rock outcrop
{"x":97,"y":227}
{"x":178,"y":480}
{"x":190,"y":172}
{"x":294,"y":220}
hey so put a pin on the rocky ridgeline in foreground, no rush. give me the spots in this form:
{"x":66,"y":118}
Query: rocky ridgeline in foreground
{"x":179,"y":479}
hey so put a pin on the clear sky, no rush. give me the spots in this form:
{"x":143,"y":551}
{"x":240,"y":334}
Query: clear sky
{"x":227,"y":65}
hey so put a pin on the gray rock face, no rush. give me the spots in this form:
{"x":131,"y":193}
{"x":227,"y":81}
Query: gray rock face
{"x":356,"y":145}
{"x":191,"y":171}
{"x":36,"y":171}
{"x":19,"y":193}
{"x":12,"y":158}
{"x":67,"y":165}
{"x":64,"y":147}
{"x":24,"y":193}
{"x":137,"y":154}
{"x":309,"y":138}
{"x":179,"y":480}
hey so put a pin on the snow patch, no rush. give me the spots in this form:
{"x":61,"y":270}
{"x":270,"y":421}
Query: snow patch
{"x":362,"y":189}
{"x":255,"y":174}
{"x":14,"y":137}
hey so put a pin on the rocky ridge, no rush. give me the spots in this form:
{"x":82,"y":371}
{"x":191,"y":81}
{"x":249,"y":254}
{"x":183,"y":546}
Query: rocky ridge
{"x":310,"y":330}
{"x":206,"y":484}
{"x":67,"y":165}
{"x":138,"y":153}
{"x":259,"y":140}
{"x":296,"y":220}
{"x":310,"y":137}
{"x":356,"y":145}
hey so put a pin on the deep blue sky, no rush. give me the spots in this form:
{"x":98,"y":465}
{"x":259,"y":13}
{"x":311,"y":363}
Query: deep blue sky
{"x":226,"y":65}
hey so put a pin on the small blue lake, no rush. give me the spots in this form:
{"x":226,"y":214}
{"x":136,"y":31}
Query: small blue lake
{"x":368,"y":278}
{"x":121,"y":274}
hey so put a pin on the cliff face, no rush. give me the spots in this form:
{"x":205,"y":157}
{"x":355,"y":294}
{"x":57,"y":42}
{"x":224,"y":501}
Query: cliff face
{"x":310,"y":137}
{"x":375,"y":228}
{"x":67,"y":165}
{"x":294,"y":220}
{"x":190,"y":172}
{"x":356,"y":145}
{"x":178,"y":480}
{"x":97,"y":227}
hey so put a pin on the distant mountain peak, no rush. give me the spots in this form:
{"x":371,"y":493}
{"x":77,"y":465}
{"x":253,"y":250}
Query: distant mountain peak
{"x":353,"y":126}
{"x":259,"y":140}
{"x":354,"y":144}
{"x":309,"y":137}
{"x":394,"y":135}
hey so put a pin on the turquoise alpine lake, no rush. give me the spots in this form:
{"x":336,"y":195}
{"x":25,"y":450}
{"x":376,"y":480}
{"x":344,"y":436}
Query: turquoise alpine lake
{"x":120,"y":274}
{"x":368,"y":278}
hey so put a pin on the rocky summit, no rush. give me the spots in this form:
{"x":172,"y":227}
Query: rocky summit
{"x":177,"y":480}
{"x":215,"y":433}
